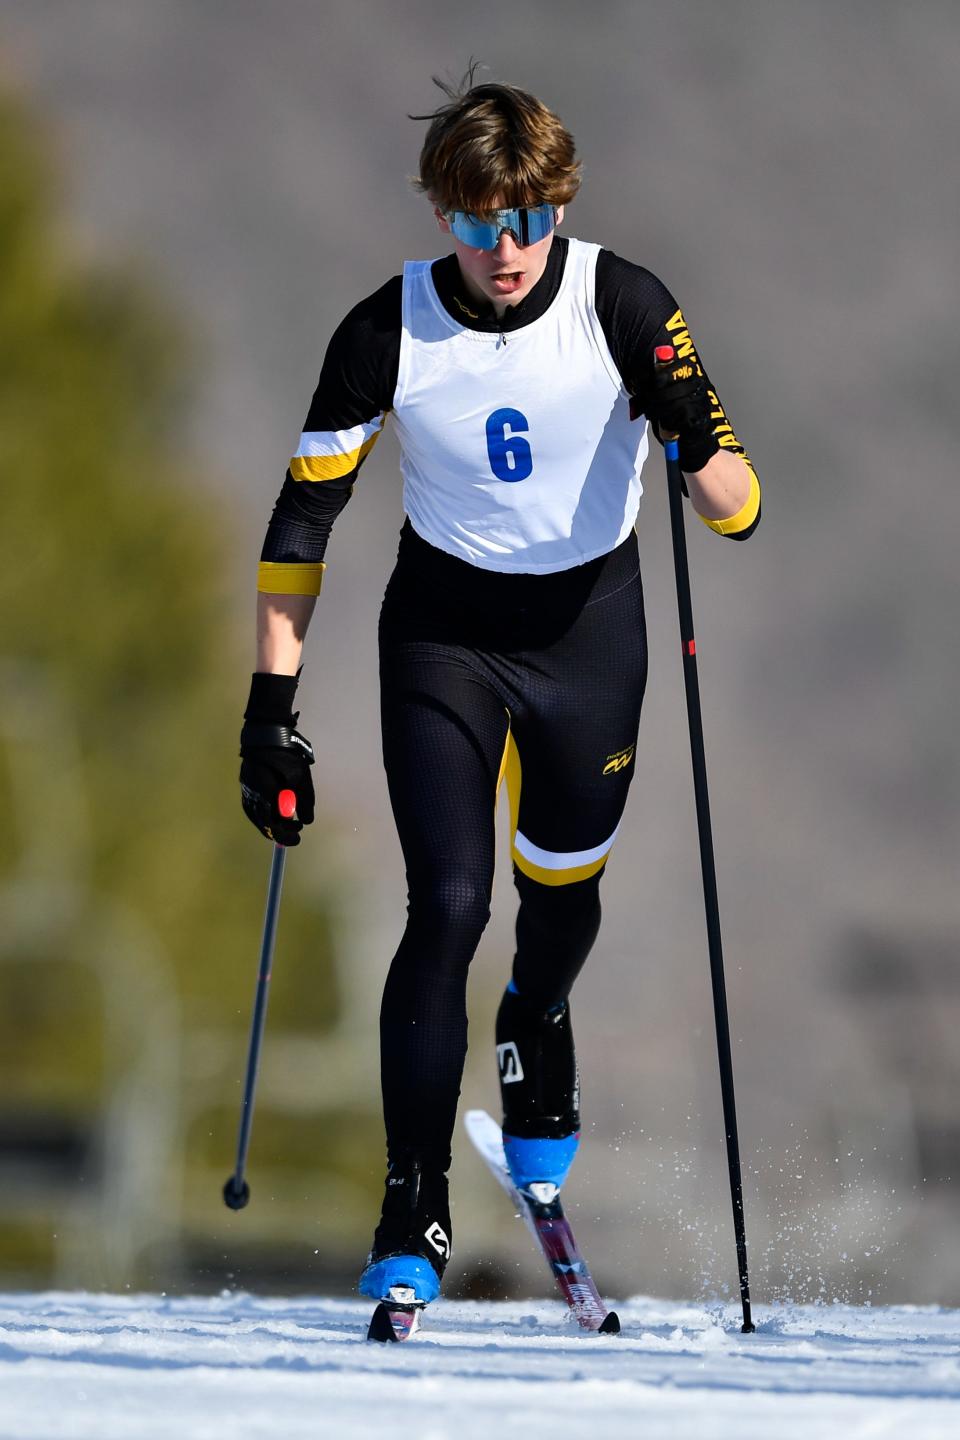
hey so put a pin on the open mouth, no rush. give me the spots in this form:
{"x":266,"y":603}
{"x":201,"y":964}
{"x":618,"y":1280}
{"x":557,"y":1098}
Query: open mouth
{"x":508,"y":279}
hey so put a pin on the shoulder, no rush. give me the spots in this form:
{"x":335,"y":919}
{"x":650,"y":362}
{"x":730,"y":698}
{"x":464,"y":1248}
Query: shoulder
{"x":359,"y":370}
{"x":633,"y":307}
{"x":621,"y":281}
{"x":375,"y":315}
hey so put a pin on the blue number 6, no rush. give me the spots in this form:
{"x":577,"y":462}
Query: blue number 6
{"x":510,"y":455}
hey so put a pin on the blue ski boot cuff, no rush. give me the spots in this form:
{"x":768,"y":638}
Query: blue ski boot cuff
{"x":534,"y":1162}
{"x":412,"y":1271}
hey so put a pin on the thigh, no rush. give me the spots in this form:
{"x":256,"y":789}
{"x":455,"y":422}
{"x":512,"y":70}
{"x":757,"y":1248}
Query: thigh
{"x":573,"y":740}
{"x":444,"y":730}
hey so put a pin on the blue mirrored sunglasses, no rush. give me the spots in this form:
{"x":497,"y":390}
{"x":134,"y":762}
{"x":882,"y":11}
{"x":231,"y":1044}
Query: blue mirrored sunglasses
{"x":526,"y":223}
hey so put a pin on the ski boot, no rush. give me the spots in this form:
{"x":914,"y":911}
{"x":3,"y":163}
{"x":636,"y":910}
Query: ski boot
{"x":411,"y":1247}
{"x":540,"y":1090}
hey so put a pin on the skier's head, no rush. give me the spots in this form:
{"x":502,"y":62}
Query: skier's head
{"x":494,"y":146}
{"x":498,"y":155}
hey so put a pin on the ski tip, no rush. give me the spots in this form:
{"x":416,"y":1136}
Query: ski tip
{"x":480,"y":1125}
{"x":611,"y":1324}
{"x":381,"y":1326}
{"x":390,"y":1325}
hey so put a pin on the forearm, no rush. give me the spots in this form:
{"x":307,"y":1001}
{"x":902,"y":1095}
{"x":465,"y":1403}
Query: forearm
{"x":282,"y":622}
{"x":721,"y":488}
{"x":291,"y":568}
{"x":726,"y":494}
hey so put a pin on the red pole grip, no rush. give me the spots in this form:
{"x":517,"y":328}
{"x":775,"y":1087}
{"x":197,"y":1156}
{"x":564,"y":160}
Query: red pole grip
{"x":663,"y":355}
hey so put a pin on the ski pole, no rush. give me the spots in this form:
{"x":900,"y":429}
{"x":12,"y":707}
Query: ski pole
{"x":664,"y":354}
{"x":236,"y":1191}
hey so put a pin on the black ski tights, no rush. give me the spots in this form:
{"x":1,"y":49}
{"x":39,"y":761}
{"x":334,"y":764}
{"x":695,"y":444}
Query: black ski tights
{"x":557,"y":663}
{"x":423,"y":1020}
{"x":556,"y":928}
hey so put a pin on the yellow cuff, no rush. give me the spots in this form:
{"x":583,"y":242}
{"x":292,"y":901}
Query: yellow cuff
{"x":744,"y":517}
{"x":275,"y":578}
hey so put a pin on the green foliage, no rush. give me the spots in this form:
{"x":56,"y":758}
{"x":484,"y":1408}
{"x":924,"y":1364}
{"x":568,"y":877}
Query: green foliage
{"x":112,"y":588}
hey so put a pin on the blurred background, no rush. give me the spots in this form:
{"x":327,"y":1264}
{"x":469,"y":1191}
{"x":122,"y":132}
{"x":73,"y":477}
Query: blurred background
{"x":191,"y":197}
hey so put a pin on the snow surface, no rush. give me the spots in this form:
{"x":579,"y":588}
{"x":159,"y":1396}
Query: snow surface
{"x":148,"y":1367}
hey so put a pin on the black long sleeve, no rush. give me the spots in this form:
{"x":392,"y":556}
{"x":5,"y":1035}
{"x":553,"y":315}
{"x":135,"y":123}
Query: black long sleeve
{"x":637,"y":313}
{"x":346,"y":415}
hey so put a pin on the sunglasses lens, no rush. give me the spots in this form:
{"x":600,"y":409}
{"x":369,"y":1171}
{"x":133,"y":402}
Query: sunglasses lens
{"x":481,"y":234}
{"x":527,"y":225}
{"x":540,"y":220}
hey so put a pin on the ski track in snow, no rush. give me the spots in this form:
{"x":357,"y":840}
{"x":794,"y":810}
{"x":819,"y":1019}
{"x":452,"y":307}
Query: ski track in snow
{"x":101,"y":1367}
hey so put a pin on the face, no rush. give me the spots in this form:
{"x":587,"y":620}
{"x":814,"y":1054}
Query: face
{"x":503,"y":276}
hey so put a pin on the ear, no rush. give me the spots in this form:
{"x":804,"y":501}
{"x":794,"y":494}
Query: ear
{"x":442,"y":221}
{"x":559,"y":213}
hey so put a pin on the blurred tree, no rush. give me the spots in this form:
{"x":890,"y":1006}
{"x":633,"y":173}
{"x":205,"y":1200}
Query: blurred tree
{"x":113,"y":588}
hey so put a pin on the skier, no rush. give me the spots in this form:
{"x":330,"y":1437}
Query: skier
{"x":520,"y":374}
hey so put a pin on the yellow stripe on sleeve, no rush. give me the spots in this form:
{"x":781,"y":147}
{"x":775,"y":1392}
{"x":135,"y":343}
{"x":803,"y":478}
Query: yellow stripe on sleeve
{"x":745,"y":516}
{"x":331,"y":467}
{"x":276,"y":578}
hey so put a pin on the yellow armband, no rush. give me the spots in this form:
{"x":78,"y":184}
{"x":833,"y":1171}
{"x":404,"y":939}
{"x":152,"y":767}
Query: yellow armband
{"x":277,"y":578}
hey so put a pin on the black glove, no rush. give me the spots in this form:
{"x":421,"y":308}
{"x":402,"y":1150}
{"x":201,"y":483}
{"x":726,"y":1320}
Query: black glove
{"x":680,"y":404}
{"x":275,"y":757}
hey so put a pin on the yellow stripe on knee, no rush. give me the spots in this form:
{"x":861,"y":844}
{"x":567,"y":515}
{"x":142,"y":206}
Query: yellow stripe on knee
{"x":510,"y":770}
{"x":557,"y":877}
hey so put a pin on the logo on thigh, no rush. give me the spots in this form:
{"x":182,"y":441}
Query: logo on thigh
{"x":618,"y":761}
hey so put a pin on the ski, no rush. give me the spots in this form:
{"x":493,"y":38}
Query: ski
{"x":544,"y":1218}
{"x":396,"y":1318}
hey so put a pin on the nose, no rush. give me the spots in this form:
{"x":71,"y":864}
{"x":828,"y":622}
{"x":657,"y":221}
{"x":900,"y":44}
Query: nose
{"x":506,"y":247}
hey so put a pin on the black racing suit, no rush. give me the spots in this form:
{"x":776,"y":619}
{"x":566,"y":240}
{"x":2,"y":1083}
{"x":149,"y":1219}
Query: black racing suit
{"x":486,"y":675}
